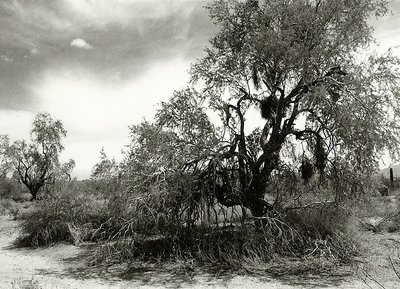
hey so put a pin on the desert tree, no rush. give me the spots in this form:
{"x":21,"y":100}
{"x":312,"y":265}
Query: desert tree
{"x":303,"y":66}
{"x":181,"y":132}
{"x":37,"y":163}
{"x":4,"y":160}
{"x":65,"y":170}
{"x":105,"y":169}
{"x":163,"y":161}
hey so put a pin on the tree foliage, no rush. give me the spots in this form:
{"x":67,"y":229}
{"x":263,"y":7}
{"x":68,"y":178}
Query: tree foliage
{"x":65,"y":170}
{"x":105,"y":169}
{"x":37,"y":163}
{"x":293,"y":89}
{"x":181,"y":133}
{"x":299,"y":63}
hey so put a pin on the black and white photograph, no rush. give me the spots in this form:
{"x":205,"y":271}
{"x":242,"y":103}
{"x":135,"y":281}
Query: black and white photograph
{"x":199,"y":144}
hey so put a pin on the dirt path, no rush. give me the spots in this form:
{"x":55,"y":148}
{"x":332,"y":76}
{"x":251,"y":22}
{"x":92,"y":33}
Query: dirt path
{"x":59,"y":267}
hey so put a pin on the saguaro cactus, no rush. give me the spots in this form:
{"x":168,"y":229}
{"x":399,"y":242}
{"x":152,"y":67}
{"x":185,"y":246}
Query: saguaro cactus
{"x":391,"y":177}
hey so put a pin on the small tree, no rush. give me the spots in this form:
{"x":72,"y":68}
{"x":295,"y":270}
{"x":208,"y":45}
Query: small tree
{"x":65,"y":170}
{"x":37,"y":163}
{"x":105,"y":169}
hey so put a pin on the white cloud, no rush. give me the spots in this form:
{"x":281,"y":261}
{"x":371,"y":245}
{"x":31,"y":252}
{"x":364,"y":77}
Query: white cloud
{"x":81,"y":43}
{"x":6,"y":58}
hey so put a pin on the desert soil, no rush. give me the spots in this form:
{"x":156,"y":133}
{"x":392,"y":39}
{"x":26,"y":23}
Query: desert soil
{"x":62,"y":267}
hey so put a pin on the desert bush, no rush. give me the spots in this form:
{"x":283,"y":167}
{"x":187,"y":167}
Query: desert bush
{"x":386,"y":182}
{"x":175,"y":219}
{"x":6,"y":206}
{"x":66,"y":215}
{"x":295,"y":234}
{"x":378,"y":213}
{"x":11,"y":189}
{"x":328,"y":230}
{"x":172,"y":217}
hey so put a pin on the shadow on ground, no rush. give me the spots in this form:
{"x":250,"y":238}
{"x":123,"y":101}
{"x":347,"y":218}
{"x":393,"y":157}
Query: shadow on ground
{"x":296,"y":273}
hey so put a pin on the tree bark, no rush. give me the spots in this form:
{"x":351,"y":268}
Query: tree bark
{"x":255,"y":199}
{"x":34,"y":192}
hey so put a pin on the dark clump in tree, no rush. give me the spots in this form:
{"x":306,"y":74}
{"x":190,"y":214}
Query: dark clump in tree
{"x":320,"y":155}
{"x":269,"y":107}
{"x":307,"y":170}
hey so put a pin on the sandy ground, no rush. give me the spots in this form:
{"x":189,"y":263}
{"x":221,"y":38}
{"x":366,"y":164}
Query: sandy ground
{"x":60,"y":267}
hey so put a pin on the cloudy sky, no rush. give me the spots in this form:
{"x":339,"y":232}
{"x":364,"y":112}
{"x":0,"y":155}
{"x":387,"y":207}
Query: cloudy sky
{"x":102,"y":65}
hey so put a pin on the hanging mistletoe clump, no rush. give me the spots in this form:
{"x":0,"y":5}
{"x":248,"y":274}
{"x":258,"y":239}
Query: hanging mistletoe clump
{"x":306,"y":169}
{"x":268,"y":106}
{"x":320,"y":155}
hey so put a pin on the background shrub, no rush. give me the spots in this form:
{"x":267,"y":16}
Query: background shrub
{"x":70,"y":214}
{"x":11,"y":189}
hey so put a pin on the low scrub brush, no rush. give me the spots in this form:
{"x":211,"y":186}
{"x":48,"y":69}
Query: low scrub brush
{"x":68,"y":216}
{"x":303,"y":232}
